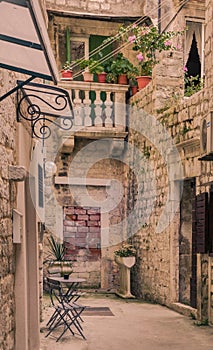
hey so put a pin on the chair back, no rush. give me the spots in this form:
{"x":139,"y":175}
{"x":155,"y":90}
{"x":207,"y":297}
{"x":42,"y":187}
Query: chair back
{"x":55,"y":291}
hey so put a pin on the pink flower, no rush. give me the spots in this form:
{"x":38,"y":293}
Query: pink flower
{"x":185,"y":69}
{"x":134,"y":25}
{"x":131,"y":39}
{"x":167,"y":43}
{"x":178,"y":47}
{"x":145,"y":31}
{"x":140,"y":57}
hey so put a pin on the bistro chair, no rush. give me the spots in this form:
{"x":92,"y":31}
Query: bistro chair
{"x":66,"y":314}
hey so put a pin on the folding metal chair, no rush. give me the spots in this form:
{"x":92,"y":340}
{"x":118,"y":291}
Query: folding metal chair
{"x":66,"y":314}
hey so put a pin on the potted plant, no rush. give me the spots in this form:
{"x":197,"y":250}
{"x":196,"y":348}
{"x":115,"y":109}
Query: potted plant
{"x":56,"y":259}
{"x":125,"y":255}
{"x":133,"y":83}
{"x":66,"y":71}
{"x":146,"y":41}
{"x":120,"y":67}
{"x":90,"y":66}
{"x":125,"y":258}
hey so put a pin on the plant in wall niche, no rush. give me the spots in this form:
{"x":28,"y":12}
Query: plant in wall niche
{"x":125,"y":250}
{"x":192,"y":84}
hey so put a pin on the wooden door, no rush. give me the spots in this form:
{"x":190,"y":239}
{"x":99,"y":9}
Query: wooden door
{"x":199,"y":239}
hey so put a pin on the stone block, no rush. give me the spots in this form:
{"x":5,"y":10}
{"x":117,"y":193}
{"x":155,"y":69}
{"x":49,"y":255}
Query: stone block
{"x":17,"y":173}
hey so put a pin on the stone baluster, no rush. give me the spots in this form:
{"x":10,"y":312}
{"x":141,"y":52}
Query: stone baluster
{"x":98,"y":110}
{"x":87,"y":110}
{"x":77,"y":108}
{"x":108,"y":110}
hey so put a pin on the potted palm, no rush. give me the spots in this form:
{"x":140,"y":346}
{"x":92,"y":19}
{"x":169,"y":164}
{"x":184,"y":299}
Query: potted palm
{"x":66,"y":71}
{"x":56,"y":259}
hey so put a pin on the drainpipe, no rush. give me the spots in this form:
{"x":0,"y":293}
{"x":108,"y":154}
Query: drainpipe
{"x":159,"y":16}
{"x":68,"y":44}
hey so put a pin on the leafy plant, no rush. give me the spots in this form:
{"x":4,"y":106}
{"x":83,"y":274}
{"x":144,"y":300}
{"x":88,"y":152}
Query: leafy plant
{"x":146,"y":41}
{"x":121,"y":65}
{"x":192,"y":84}
{"x":67,"y":66}
{"x":125,"y":250}
{"x":56,"y":249}
{"x":91,"y":65}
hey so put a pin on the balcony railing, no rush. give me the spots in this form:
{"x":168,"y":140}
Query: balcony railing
{"x":97,"y":106}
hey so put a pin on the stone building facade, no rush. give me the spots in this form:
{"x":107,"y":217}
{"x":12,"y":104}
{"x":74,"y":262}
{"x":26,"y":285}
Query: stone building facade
{"x":168,"y":266}
{"x":19,"y":226}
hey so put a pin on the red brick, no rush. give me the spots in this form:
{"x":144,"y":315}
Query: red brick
{"x":82,"y":229}
{"x":67,"y":235}
{"x":69,"y":210}
{"x":94,"y":229}
{"x":95,"y":217}
{"x":70,"y":229}
{"x":81,"y":234}
{"x":93,"y":211}
{"x":80,"y":240}
{"x":80,"y":223}
{"x":92,"y":223}
{"x":83,"y":217}
{"x":69,"y":223}
{"x":80,"y":211}
{"x":93,"y":235}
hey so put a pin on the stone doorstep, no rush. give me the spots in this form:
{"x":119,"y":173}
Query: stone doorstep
{"x":183,"y":309}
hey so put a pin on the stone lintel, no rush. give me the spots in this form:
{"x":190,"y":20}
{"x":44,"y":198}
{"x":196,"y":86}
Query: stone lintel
{"x":67,"y":144}
{"x":76,"y":181}
{"x":17,"y":173}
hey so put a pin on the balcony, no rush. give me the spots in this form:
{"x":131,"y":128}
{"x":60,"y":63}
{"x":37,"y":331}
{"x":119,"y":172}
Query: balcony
{"x":99,"y":109}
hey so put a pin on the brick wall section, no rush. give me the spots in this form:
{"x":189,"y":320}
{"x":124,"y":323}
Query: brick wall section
{"x":82,"y":234}
{"x":7,"y":199}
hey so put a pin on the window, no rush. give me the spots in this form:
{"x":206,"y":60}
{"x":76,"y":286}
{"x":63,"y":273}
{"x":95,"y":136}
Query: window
{"x":79,"y":48}
{"x":40,"y":187}
{"x":194,"y":57}
{"x":194,"y":50}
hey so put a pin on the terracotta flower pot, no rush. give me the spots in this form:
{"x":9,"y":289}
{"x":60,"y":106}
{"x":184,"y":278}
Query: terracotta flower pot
{"x":66,"y":74}
{"x":143,"y":81}
{"x":122,"y":79}
{"x":101,"y":77}
{"x":88,"y":77}
{"x":134,"y":90}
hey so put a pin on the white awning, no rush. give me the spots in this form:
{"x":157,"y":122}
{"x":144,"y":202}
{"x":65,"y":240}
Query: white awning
{"x":24,"y":41}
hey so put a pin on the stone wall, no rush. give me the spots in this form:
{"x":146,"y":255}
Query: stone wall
{"x":158,"y":263}
{"x":7,"y":200}
{"x":92,"y":161}
{"x":109,"y":7}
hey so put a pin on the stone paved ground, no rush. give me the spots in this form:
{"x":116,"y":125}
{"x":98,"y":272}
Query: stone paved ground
{"x":135,"y":325}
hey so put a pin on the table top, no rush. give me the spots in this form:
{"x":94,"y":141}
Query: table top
{"x":70,"y":279}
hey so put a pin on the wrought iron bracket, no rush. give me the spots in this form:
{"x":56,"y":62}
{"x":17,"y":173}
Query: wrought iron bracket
{"x":44,"y":106}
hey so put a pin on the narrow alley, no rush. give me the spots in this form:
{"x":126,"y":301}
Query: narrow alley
{"x":133,"y":325}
